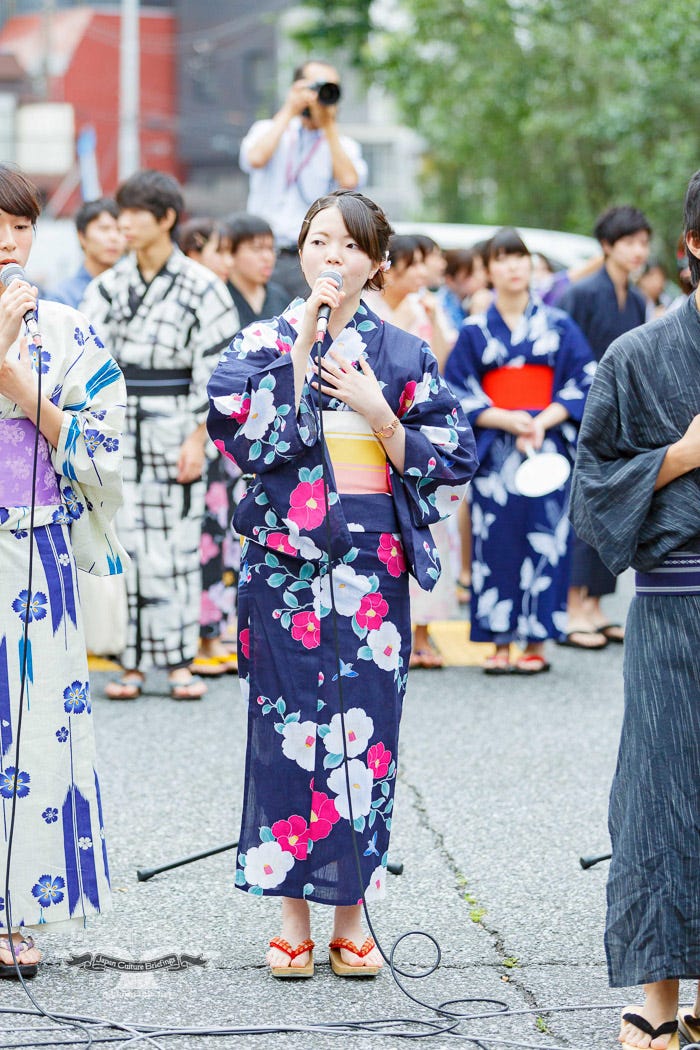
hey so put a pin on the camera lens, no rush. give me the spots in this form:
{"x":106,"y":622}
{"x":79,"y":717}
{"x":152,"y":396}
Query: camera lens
{"x":328,"y":94}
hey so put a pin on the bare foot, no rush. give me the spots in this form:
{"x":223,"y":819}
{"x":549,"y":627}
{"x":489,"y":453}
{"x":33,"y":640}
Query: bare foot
{"x":296,"y":927}
{"x":184,"y":685}
{"x":347,"y":924}
{"x":128,"y":687}
{"x":28,"y":957}
{"x":630,"y":1035}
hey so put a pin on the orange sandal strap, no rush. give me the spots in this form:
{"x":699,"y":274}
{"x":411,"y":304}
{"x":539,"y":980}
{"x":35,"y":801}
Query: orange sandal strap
{"x":350,"y":946}
{"x":285,"y":946}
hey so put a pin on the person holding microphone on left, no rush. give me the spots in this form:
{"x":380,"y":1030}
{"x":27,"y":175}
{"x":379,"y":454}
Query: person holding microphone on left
{"x":62,"y":403}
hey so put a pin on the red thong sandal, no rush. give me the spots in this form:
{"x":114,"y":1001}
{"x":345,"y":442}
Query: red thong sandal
{"x":531,"y":663}
{"x":344,"y":969}
{"x":293,"y":971}
{"x":498,"y":664}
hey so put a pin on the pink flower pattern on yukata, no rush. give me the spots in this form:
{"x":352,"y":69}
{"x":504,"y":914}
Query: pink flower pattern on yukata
{"x":216,"y":498}
{"x":406,"y":399}
{"x":278,"y":541}
{"x":222,"y":449}
{"x":208,"y":549}
{"x":373,"y":609}
{"x":378,"y":760}
{"x":306,"y":629}
{"x":244,"y":642}
{"x":292,"y":835}
{"x":306,"y":504}
{"x":323,"y":816}
{"x":390,"y":552}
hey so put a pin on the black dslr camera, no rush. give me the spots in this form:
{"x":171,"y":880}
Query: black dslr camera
{"x":328,"y":94}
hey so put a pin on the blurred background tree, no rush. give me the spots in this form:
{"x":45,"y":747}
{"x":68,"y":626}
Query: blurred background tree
{"x":537,"y":112}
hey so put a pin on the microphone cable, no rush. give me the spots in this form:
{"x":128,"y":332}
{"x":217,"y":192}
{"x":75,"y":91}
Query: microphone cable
{"x":396,"y":971}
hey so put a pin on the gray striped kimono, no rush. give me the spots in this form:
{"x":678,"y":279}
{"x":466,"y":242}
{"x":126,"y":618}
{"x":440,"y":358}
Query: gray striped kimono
{"x":166,"y":336}
{"x":644,"y":396}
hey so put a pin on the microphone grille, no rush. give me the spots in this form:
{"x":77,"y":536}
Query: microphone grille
{"x":9,"y":272}
{"x":332,"y":275}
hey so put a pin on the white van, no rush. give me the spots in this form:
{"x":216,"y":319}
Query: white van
{"x":564,"y":250}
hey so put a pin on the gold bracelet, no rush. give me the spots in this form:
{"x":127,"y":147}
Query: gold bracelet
{"x":388,"y":429}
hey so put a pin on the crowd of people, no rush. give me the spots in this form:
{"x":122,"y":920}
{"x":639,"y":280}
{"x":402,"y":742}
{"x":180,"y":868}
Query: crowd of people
{"x":252,"y":452}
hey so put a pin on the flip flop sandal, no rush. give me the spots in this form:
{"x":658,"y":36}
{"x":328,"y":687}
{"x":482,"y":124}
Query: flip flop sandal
{"x":293,"y":971}
{"x":343,"y":969}
{"x":497,"y":665}
{"x":568,"y":641}
{"x":607,"y":630}
{"x":531,"y":664}
{"x":188,"y":690}
{"x":667,"y":1028}
{"x":229,"y":662}
{"x":208,"y":666}
{"x":9,"y":970}
{"x":133,"y":687}
{"x":430,"y":658}
{"x":688,"y":1024}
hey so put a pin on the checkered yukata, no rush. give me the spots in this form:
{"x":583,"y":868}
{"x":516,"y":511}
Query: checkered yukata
{"x":166,"y":336}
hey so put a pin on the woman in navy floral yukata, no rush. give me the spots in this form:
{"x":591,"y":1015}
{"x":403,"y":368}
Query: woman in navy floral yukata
{"x":398,"y":456}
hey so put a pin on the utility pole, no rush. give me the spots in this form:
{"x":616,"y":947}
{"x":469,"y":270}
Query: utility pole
{"x":129,"y":90}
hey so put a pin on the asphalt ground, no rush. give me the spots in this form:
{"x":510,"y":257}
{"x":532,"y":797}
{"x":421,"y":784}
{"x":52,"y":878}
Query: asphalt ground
{"x":503,"y":785}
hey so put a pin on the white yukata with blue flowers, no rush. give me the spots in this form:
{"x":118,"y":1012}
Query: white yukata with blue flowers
{"x":59,"y":870}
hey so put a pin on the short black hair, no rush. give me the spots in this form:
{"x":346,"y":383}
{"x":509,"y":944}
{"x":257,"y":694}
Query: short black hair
{"x":403,"y":248}
{"x":426,"y":244}
{"x":91,"y":210}
{"x":691,"y":222}
{"x":18,"y":195}
{"x":621,"y":220}
{"x":242,"y":226}
{"x":461,"y":259}
{"x":506,"y":241}
{"x":153,"y":191}
{"x":194,"y":234}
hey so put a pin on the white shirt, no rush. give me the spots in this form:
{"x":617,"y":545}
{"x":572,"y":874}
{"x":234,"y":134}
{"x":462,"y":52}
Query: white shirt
{"x":299,"y":171}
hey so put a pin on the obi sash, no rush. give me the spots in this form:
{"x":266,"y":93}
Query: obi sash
{"x":157,"y":382}
{"x":17,"y":438}
{"x":529,"y":386}
{"x":358,"y":458}
{"x":679,"y":573}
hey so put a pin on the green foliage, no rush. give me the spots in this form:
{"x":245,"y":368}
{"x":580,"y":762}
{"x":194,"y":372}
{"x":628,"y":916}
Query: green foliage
{"x":538,"y":112}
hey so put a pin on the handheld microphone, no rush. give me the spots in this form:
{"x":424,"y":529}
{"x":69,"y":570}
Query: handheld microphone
{"x":325,"y":312}
{"x":7,"y":275}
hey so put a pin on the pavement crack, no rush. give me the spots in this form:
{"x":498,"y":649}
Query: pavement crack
{"x":477,"y":913}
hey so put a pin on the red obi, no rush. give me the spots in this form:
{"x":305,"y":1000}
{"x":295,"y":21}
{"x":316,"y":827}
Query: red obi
{"x":530,"y":386}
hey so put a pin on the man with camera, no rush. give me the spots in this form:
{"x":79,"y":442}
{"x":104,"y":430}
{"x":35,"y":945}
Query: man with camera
{"x":296,"y":157}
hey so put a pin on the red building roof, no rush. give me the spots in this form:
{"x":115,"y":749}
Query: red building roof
{"x":73,"y":56}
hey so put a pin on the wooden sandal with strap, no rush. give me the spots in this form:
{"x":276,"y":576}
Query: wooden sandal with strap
{"x":293,"y":971}
{"x":344,"y":969}
{"x":667,"y":1028}
{"x":10,"y":969}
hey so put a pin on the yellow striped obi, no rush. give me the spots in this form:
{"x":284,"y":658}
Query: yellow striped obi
{"x":358,"y":458}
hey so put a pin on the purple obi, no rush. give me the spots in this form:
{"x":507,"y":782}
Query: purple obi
{"x":16,"y":458}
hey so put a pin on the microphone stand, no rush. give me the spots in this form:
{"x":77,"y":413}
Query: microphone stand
{"x":144,"y":874}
